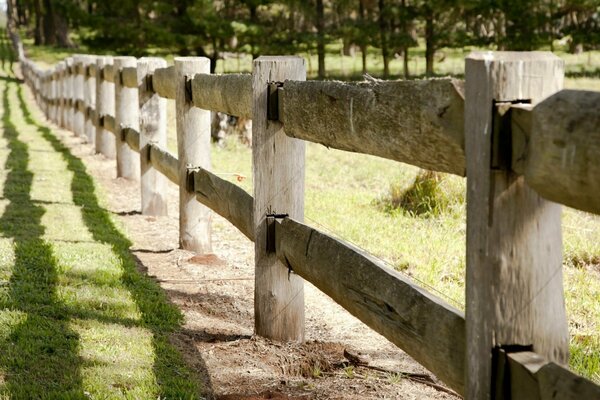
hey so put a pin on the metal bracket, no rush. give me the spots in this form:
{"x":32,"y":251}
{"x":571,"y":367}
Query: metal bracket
{"x":273,"y":100}
{"x":149,"y":83}
{"x":271,"y":221}
{"x":501,"y":150}
{"x":190,"y":185}
{"x":500,"y":373}
{"x":189,"y":96}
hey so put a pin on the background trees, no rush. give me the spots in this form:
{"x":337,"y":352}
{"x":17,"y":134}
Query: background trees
{"x":392,"y":27}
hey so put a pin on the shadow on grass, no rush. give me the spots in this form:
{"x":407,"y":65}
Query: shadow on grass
{"x":40,"y":356}
{"x":158,"y":315}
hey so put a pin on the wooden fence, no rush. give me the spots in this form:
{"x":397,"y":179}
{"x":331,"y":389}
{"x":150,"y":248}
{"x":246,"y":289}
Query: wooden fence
{"x":524,"y":144}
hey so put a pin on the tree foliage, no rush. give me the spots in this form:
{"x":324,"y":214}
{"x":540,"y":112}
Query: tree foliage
{"x":213,"y":27}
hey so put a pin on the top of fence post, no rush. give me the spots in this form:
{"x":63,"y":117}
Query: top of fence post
{"x":514,"y":292}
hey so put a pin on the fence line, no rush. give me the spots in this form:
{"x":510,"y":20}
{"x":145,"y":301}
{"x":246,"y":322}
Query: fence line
{"x":513,"y":235}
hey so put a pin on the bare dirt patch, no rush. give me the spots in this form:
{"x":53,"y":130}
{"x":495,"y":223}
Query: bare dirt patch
{"x":341,"y":359}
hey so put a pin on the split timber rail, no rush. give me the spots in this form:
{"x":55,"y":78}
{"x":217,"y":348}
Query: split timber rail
{"x":525,"y":145}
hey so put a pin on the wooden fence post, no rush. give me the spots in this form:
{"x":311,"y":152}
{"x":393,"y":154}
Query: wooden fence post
{"x":153,"y":129}
{"x":193,"y":149}
{"x":60,"y":94}
{"x":126,"y":116}
{"x":278,"y":170}
{"x":45,"y":92}
{"x":78,"y":95}
{"x":52,"y":94}
{"x":69,"y":111}
{"x":514,"y":291}
{"x":90,"y":99}
{"x":105,"y":105}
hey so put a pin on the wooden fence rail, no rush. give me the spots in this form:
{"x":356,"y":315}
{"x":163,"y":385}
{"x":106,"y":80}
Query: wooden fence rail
{"x":508,"y":127}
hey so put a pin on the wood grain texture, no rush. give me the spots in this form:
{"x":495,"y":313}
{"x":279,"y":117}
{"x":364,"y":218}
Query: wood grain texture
{"x":110,"y":125}
{"x":78,"y":95}
{"x":89,"y":96}
{"x":226,"y":199}
{"x":126,"y":116}
{"x":193,"y":150}
{"x":60,"y":93}
{"x":129,"y":77}
{"x":68,"y":111}
{"x":514,"y":292}
{"x":153,"y":129}
{"x":428,"y":329}
{"x":108,"y":72}
{"x":132,"y":138}
{"x":105,"y":105}
{"x":231,"y":93}
{"x":563,"y":160}
{"x":164,"y":82}
{"x":53,"y":94}
{"x":278,"y":171}
{"x":418,"y":122}
{"x":534,"y":377}
{"x":166,"y":163}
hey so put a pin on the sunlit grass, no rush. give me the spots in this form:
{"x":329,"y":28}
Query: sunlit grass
{"x":77,"y":320}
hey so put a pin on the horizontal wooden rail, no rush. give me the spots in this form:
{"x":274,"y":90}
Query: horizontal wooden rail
{"x":231,"y":94}
{"x":129,"y":77}
{"x":417,"y":122}
{"x":164,"y":82}
{"x":132,"y":138}
{"x":166,"y":163}
{"x":527,"y":375}
{"x":108,"y":73}
{"x":428,"y":329}
{"x":108,"y":122}
{"x":226,"y":199}
{"x":556,"y":145}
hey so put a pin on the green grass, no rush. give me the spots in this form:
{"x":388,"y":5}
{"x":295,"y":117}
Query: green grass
{"x":77,"y":319}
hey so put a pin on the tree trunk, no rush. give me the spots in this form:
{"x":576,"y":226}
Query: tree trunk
{"x":363,"y":52}
{"x":62,"y":31}
{"x":37,"y":33}
{"x":429,"y":42}
{"x":320,"y":24}
{"x":363,"y":46}
{"x":48,"y":24}
{"x":405,"y":60}
{"x":213,"y":58}
{"x":384,"y":39}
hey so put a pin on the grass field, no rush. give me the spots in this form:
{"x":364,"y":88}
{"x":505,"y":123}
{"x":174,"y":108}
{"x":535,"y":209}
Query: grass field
{"x":352,"y":197}
{"x":77,"y":319}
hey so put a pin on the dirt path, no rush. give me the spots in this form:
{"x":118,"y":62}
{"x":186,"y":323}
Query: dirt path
{"x":215,"y":294}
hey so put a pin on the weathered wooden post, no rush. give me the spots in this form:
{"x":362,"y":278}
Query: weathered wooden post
{"x":514,"y":291}
{"x":45,"y":93}
{"x":56,"y":93}
{"x":153,"y":129}
{"x":79,"y":63}
{"x":193,"y":149}
{"x":60,"y":95}
{"x":52,"y":94}
{"x":278,"y":170}
{"x":126,"y":116}
{"x":69,"y":111}
{"x":90,"y":99}
{"x":105,"y":105}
